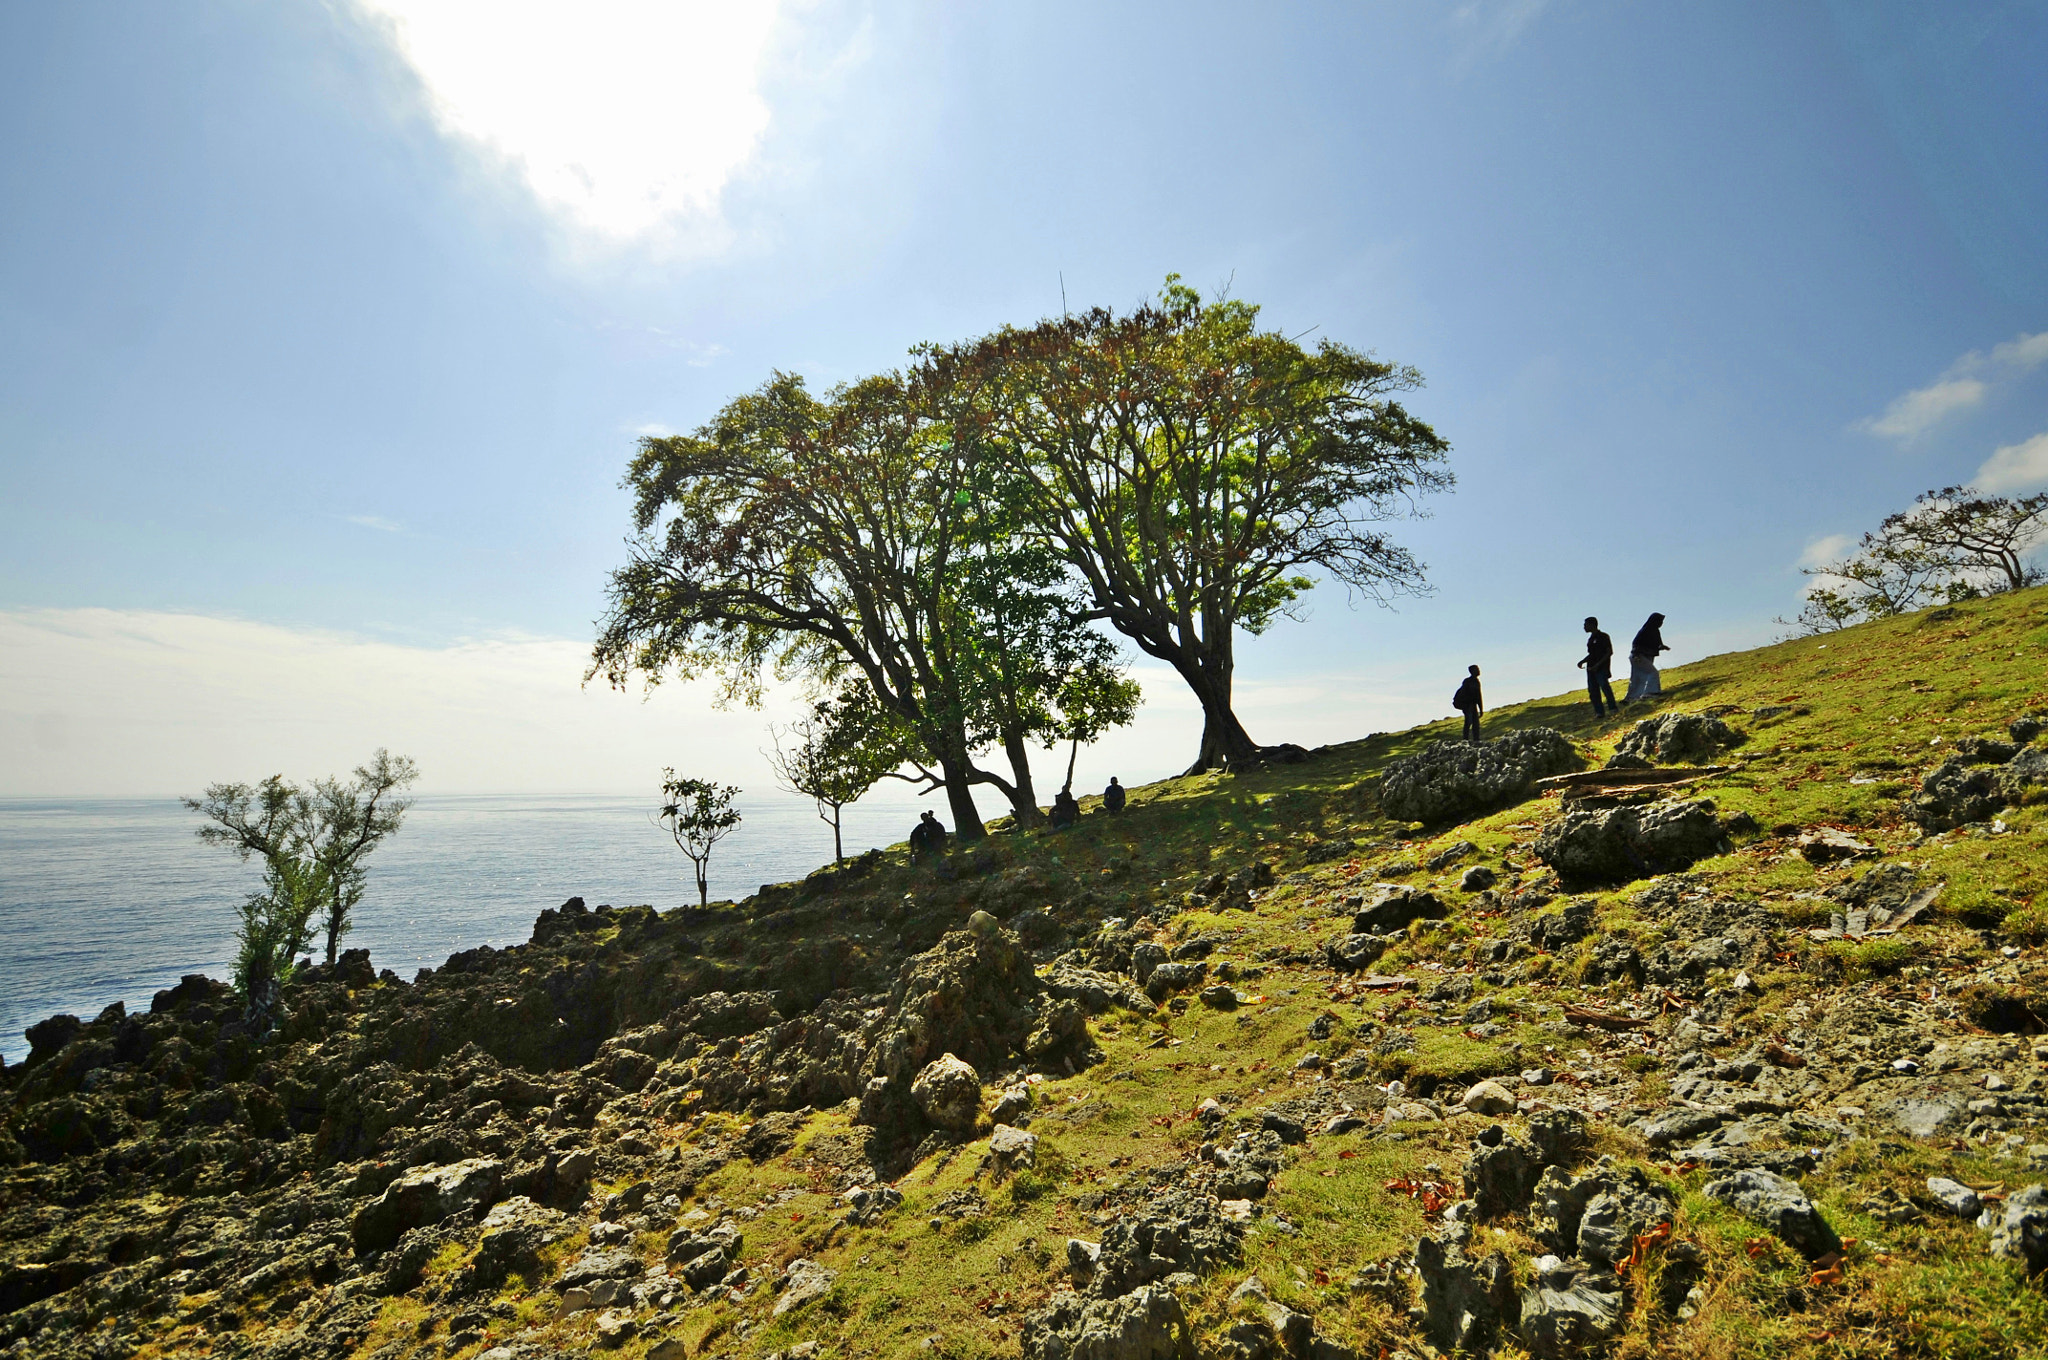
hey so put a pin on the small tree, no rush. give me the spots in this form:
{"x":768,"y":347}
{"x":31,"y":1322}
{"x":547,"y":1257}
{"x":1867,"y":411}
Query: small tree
{"x":698,"y":815}
{"x":1954,"y":544}
{"x":827,"y":760}
{"x":313,"y":842}
{"x":349,"y":821}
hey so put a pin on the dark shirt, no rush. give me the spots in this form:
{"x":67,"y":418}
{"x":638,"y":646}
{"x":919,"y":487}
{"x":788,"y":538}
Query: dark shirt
{"x":1649,"y":642}
{"x":1113,"y":798}
{"x":1467,"y":697}
{"x":1599,"y":650}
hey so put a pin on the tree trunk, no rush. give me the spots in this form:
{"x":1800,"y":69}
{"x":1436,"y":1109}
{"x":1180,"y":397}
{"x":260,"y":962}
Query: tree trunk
{"x":1224,"y":741}
{"x":838,"y":851}
{"x":333,"y":936}
{"x":1023,"y":798}
{"x":703,"y":880}
{"x":960,"y":797}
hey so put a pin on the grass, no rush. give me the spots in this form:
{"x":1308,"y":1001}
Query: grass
{"x":1870,"y":710}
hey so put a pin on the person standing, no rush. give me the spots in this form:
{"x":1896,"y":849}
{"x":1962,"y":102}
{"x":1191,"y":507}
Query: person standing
{"x":1598,"y":665}
{"x":1643,"y":680}
{"x":1470,"y":702}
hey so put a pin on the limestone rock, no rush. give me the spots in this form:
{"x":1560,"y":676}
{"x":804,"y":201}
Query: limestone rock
{"x":1168,"y":978}
{"x":1778,"y":1204}
{"x":948,"y":1091}
{"x":1466,"y":1303}
{"x":1957,"y":1198}
{"x":1687,"y":737}
{"x":1011,"y":1147}
{"x":1393,"y":908}
{"x":803,"y":1281}
{"x":1356,"y":952}
{"x":1569,"y":1310}
{"x":423,"y":1196}
{"x":1489,"y":1097}
{"x":1146,"y":1324}
{"x":1451,"y":779}
{"x":1614,"y":845}
{"x":2021,"y":1233}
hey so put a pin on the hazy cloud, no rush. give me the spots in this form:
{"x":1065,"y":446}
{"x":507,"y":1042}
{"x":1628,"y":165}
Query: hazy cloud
{"x":377,"y":522}
{"x":1966,"y":383}
{"x":1494,"y":26}
{"x":2016,"y":467}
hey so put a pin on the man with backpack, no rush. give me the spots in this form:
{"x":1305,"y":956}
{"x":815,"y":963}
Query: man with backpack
{"x":1471,"y":703}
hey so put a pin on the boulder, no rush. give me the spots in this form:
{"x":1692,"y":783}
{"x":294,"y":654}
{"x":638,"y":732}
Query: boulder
{"x":1614,"y":845}
{"x":1221,"y":997}
{"x":1489,"y":1097}
{"x":1356,"y":952}
{"x":594,"y":1267}
{"x":1096,"y":992}
{"x":1451,"y":779}
{"x":1146,"y":1324}
{"x":1686,"y":737}
{"x":977,"y":998}
{"x":1597,"y":1216}
{"x":1778,"y":1204}
{"x":948,"y":1092}
{"x":1957,"y":1198}
{"x":1168,"y":978}
{"x":1500,"y":1173}
{"x":1478,"y":878}
{"x":1173,"y":1231}
{"x":2021,"y":1233}
{"x":514,"y":1232}
{"x":1392,"y":908}
{"x":423,"y":1196}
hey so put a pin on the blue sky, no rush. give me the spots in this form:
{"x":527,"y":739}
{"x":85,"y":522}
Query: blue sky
{"x":326,"y":329}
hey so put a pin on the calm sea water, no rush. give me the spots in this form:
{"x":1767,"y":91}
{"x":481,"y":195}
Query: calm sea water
{"x":111,"y":900}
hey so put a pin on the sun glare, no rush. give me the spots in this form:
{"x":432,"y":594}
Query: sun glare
{"x":627,"y":118}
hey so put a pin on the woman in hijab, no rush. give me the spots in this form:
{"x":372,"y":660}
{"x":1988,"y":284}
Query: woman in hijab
{"x":1643,"y":680}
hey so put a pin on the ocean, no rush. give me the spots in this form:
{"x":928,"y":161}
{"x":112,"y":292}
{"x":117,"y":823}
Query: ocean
{"x":105,"y":900}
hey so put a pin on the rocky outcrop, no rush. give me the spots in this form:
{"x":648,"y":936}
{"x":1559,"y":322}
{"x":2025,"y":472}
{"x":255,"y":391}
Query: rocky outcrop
{"x":1146,"y":1324}
{"x":1982,"y":776}
{"x":1452,"y":779}
{"x":1778,"y":1204}
{"x":1669,"y":737}
{"x":1614,"y":845}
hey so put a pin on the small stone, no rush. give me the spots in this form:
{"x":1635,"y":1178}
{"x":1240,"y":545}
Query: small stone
{"x":2011,"y":951}
{"x":1742,"y":983}
{"x":1082,"y":1258}
{"x":1014,"y":1102}
{"x":1012,"y":1147}
{"x":1238,"y":1210}
{"x":573,"y":1301}
{"x":1343,"y":1123}
{"x":1478,"y":878}
{"x":1537,"y":1076}
{"x":802,"y":1282}
{"x":1489,"y":1097}
{"x":615,"y":1328}
{"x":983,"y":924}
{"x":1904,"y":1065}
{"x":1994,"y":1082}
{"x":1778,"y":1204}
{"x":1221,"y":996}
{"x":1253,"y":1290}
{"x":668,"y":1348}
{"x":1955,"y":1197}
{"x":1308,"y":1062}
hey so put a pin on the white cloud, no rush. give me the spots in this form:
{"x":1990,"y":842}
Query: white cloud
{"x":1822,"y":551}
{"x":2015,"y":467}
{"x":1966,"y":383}
{"x":377,"y":522}
{"x":628,"y":118}
{"x":654,"y":429}
{"x":1922,"y":409}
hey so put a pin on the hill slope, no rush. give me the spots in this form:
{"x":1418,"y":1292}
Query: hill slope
{"x":1757,"y":1063}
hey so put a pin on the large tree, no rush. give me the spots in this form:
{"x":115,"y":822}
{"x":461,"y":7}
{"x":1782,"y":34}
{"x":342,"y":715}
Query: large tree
{"x":1193,"y":469}
{"x":817,"y":537}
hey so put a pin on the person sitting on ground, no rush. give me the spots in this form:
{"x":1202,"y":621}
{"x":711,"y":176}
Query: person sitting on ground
{"x":1066,"y":810}
{"x":1643,"y":680}
{"x":1113,"y":796}
{"x":1597,"y":663}
{"x":1470,"y":702}
{"x":927,"y":838}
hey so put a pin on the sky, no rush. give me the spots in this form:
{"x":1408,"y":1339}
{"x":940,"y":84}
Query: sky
{"x":327,"y":329}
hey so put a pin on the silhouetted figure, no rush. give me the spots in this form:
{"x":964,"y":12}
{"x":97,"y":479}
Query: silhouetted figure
{"x":1598,"y":662}
{"x":1066,"y":810}
{"x":1643,"y":680}
{"x":927,"y":838}
{"x":1113,"y":796}
{"x":1470,"y":702}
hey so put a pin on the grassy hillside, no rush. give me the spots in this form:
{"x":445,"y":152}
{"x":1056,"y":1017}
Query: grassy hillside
{"x":1858,"y":1067}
